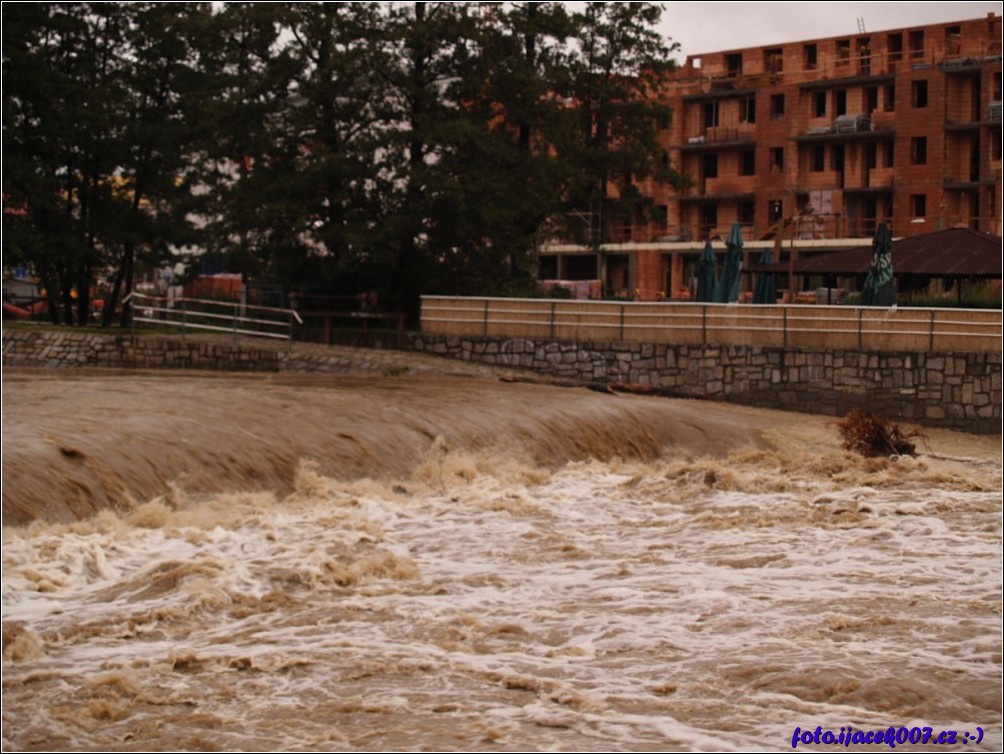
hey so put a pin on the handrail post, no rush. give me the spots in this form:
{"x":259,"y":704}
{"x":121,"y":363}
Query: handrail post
{"x":784,"y":340}
{"x":184,"y":318}
{"x":487,"y":302}
{"x":861,"y":314}
{"x":930,"y":346}
{"x":236,"y":315}
{"x":704,"y":325}
{"x":554,"y":305}
{"x":623,"y":306}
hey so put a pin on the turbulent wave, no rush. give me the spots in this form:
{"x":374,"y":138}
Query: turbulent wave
{"x":439,"y":565}
{"x":74,"y":447}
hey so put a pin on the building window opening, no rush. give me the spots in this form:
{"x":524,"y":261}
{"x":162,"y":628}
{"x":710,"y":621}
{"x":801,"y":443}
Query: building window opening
{"x":918,"y":150}
{"x":819,"y":104}
{"x":818,"y":158}
{"x":871,"y":155}
{"x":710,"y":165}
{"x":776,"y":106}
{"x":840,"y":102}
{"x":547,"y":267}
{"x":953,"y":40}
{"x":871,"y":99}
{"x":890,"y":155}
{"x":746,"y":213}
{"x":709,"y":220}
{"x":916,"y":44}
{"x":773,"y":60}
{"x":919,"y":93}
{"x":747,"y":109}
{"x":894,"y":45}
{"x":747,"y":163}
{"x":890,"y":97}
{"x":777,"y":159}
{"x":809,"y":56}
{"x":843,"y":52}
{"x":870,"y":211}
{"x":734,"y":64}
{"x":864,"y":56}
{"x":918,"y":205}
{"x":711,"y":114}
{"x":582,"y":267}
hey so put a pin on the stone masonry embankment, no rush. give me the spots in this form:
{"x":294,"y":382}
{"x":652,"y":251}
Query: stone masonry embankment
{"x":955,"y":390}
{"x":71,"y":348}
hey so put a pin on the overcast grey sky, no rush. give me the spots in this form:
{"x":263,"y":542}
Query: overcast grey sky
{"x":702,"y":27}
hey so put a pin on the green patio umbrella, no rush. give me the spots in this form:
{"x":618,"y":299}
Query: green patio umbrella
{"x":727,"y":288}
{"x":706,"y":274}
{"x":765,"y":290}
{"x":878,"y":289}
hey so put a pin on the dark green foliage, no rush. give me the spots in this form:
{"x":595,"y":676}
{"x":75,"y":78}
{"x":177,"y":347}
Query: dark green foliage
{"x":95,"y":137}
{"x":330,"y":148}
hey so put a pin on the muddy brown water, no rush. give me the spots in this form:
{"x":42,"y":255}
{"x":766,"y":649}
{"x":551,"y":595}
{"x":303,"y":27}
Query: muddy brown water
{"x":360,"y":563}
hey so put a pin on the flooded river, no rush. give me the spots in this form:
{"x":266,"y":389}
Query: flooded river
{"x":307,"y":563}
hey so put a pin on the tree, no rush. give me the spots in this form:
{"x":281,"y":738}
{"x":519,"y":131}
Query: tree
{"x":164,"y":88}
{"x":94,"y":139}
{"x":428,"y":46}
{"x":506,"y":176}
{"x":405,"y":147}
{"x":291,"y":192}
{"x":613,"y":73}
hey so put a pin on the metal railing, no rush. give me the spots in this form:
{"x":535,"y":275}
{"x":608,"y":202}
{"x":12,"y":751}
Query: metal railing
{"x":684,"y":323}
{"x":229,"y":317}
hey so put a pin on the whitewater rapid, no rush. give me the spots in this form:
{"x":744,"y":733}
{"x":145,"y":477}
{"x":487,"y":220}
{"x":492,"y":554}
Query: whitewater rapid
{"x":700,"y":591}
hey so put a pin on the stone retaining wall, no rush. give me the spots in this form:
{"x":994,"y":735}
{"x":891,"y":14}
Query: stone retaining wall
{"x":961,"y":391}
{"x":62,"y":350}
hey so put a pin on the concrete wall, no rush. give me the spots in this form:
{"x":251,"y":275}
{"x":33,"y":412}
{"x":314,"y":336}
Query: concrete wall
{"x":872,"y":329}
{"x":961,"y":391}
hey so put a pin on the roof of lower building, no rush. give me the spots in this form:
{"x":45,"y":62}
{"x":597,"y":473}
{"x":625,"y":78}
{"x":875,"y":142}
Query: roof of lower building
{"x":951,"y":253}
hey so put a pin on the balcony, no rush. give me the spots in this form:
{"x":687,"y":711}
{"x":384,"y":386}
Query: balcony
{"x":880,"y":178}
{"x":822,"y":179}
{"x":829,"y":134}
{"x":732,"y":186}
{"x":972,"y":183}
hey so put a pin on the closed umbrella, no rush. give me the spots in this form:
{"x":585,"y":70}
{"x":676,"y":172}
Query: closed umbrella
{"x":765,"y":290}
{"x":706,"y":274}
{"x":878,"y":289}
{"x":727,"y":288}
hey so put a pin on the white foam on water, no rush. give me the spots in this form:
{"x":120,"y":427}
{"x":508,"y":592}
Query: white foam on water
{"x":613,"y":606}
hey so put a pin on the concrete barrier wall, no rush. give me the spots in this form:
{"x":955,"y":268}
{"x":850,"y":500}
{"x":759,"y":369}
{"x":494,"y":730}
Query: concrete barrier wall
{"x":675,"y":323}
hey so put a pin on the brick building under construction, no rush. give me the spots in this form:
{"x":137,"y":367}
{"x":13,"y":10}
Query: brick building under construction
{"x":813,"y":143}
